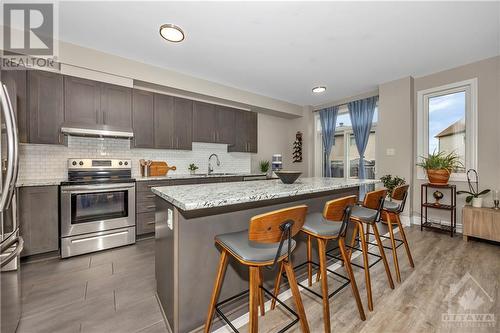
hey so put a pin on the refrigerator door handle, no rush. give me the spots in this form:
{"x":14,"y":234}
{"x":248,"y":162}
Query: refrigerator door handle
{"x":12,"y":151}
{"x":14,"y":254}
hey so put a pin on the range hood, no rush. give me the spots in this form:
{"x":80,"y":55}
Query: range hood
{"x":97,"y":131}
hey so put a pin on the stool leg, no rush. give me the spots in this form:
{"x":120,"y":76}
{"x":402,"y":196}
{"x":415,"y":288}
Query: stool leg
{"x":261,"y":293}
{"x":382,"y":254}
{"x":253,"y":325}
{"x":350,"y":274}
{"x":324,"y":283}
{"x":215,"y":293}
{"x":277,"y":282}
{"x":368,"y":283}
{"x":353,"y":240}
{"x":309,"y":259}
{"x":405,"y":241}
{"x":296,"y":295}
{"x":393,"y":245}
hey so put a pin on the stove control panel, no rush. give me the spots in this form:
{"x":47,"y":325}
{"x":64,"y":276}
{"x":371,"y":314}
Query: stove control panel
{"x":98,"y":163}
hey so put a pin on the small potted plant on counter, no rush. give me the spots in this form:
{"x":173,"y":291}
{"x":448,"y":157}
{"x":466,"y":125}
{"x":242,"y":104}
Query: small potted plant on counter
{"x":473,"y":193}
{"x":439,"y":166}
{"x":192,"y":168}
{"x":264,"y":167}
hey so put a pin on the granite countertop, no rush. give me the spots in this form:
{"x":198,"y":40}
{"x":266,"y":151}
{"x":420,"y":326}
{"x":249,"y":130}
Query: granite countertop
{"x":39,"y":182}
{"x":194,"y":197}
{"x":196,"y":176}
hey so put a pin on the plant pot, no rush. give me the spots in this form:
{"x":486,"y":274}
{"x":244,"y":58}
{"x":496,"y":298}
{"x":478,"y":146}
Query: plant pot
{"x":192,"y":172}
{"x":477,"y":202}
{"x":438,"y":177}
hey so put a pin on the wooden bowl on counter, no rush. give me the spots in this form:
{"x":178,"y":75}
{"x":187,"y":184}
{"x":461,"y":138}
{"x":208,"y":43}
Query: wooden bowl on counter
{"x":288,"y":177}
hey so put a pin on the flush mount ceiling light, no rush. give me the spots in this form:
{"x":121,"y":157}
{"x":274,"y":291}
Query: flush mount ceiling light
{"x":319,"y":90}
{"x":172,"y":33}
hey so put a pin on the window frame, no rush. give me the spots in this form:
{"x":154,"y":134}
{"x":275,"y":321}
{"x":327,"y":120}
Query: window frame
{"x":423,"y":96}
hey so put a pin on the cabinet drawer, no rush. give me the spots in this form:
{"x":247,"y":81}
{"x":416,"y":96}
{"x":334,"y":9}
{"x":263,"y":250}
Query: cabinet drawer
{"x":145,"y":223}
{"x":145,"y":197}
{"x":145,"y":186}
{"x":146,"y":206}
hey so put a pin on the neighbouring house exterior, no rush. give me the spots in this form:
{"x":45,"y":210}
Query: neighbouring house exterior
{"x":452,"y":138}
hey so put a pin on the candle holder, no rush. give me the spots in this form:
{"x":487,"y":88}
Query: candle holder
{"x":495,"y":200}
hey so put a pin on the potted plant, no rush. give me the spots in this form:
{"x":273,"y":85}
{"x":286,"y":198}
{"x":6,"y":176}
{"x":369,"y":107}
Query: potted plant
{"x":264,"y":167}
{"x":391,"y":182}
{"x":473,"y":193}
{"x":192,"y":168}
{"x":439,"y":166}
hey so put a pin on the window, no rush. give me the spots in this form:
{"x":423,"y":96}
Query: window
{"x":447,"y":118}
{"x":344,"y":151}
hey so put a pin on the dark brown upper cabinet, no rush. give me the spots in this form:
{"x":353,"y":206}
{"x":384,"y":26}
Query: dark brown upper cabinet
{"x":116,"y":106}
{"x":143,"y":119}
{"x":16,"y":83}
{"x":91,"y":103}
{"x":245,"y":127}
{"x":183,"y":124}
{"x":164,"y":121}
{"x":213,"y":123}
{"x":225,"y":125}
{"x":46,"y":113}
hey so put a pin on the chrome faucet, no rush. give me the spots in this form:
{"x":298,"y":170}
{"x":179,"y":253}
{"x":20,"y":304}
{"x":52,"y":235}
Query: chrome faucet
{"x":210,"y":169}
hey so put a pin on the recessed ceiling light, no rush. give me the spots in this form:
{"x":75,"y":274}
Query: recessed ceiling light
{"x":172,"y":33}
{"x":319,"y":90}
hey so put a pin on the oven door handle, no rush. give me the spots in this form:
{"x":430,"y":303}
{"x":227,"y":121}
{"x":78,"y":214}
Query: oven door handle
{"x":94,"y":188}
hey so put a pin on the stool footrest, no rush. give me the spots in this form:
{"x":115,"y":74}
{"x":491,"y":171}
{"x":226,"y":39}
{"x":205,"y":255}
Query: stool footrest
{"x":400,"y":242}
{"x":379,"y":258}
{"x":228,"y":322}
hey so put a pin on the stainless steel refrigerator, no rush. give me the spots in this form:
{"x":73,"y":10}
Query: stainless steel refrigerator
{"x":11,"y":243}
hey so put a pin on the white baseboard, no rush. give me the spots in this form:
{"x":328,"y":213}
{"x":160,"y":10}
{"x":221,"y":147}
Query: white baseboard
{"x":415,"y":219}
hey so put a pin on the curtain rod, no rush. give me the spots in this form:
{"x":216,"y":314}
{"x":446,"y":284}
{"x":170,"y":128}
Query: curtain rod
{"x":338,"y":105}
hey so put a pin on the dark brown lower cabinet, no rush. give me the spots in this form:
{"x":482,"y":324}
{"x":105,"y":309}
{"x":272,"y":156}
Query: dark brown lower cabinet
{"x":38,"y":215}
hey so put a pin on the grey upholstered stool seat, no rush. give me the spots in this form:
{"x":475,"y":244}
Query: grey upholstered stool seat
{"x":238,"y":244}
{"x":316,"y":224}
{"x":366,"y":215}
{"x":391,"y":206}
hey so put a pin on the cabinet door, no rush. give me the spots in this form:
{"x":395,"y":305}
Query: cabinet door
{"x":46,"y":113}
{"x":143,"y":119}
{"x":16,"y":83}
{"x":204,"y":122}
{"x":164,"y":121}
{"x":183,"y":123}
{"x":116,"y":106}
{"x":225,"y":125}
{"x":240,"y":143}
{"x":81,"y":101}
{"x":251,"y":131}
{"x":39,"y":219}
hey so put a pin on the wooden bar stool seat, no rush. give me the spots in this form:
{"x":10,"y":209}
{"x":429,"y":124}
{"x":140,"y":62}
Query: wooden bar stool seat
{"x":329,"y":225}
{"x":267,"y":242}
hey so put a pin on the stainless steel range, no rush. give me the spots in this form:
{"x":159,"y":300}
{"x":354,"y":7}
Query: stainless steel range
{"x":97,"y":206}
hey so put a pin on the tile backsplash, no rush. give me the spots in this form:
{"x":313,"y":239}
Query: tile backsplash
{"x":50,"y":161}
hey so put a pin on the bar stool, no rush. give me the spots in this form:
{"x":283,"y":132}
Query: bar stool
{"x":369,"y":214}
{"x":330,"y":225}
{"x":269,"y":241}
{"x":392,"y":210}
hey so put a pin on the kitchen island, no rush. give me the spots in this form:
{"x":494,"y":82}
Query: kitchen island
{"x":189,"y":217}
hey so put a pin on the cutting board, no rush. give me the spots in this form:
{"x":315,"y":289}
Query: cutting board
{"x":160,"y":168}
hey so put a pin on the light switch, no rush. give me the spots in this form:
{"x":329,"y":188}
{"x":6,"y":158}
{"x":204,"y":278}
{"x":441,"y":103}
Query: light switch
{"x":390,"y":152}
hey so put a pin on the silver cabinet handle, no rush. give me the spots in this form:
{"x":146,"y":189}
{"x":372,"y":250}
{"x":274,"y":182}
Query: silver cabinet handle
{"x":150,"y":196}
{"x":150,"y":222}
{"x":151,"y":206}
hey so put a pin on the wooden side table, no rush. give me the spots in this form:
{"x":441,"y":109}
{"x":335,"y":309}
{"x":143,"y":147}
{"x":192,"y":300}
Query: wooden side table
{"x":481,"y":223}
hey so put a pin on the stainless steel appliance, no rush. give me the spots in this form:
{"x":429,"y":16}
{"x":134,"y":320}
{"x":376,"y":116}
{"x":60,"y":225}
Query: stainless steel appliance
{"x":11,"y":244}
{"x":97,"y":206}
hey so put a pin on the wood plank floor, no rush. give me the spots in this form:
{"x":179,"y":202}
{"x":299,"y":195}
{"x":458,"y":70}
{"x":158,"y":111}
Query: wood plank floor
{"x":113,"y":291}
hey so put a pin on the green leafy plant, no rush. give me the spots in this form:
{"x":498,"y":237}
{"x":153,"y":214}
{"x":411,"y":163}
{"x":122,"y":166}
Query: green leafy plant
{"x":473,"y":192}
{"x":391,"y":182}
{"x":192,"y":167}
{"x":441,"y":161}
{"x":264,"y":166}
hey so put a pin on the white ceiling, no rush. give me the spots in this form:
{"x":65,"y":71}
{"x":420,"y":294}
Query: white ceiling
{"x":283,"y":49}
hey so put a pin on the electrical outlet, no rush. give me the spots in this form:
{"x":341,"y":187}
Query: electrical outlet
{"x":390,"y":152}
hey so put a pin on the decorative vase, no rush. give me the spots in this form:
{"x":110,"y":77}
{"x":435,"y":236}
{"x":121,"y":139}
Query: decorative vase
{"x":438,"y":177}
{"x":477,"y":202}
{"x":438,"y":196}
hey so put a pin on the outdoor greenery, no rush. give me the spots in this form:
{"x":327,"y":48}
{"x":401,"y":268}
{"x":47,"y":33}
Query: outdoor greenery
{"x":441,"y":161}
{"x":392,"y":182}
{"x":264,"y":166}
{"x":473,"y":192}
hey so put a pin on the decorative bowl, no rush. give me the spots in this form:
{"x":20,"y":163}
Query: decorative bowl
{"x":288,"y":177}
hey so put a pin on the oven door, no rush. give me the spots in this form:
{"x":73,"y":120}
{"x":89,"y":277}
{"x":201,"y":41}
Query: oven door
{"x":91,"y":208}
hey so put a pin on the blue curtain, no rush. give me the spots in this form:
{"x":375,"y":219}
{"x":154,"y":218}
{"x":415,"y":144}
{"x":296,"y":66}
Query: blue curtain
{"x":328,"y":118}
{"x":361,"y":113}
